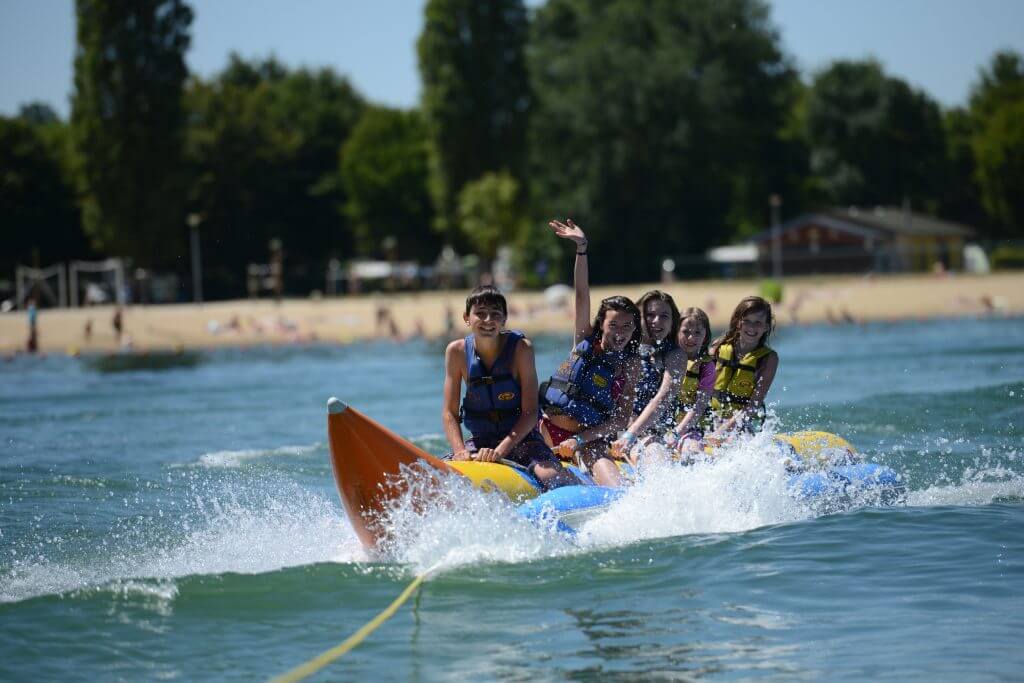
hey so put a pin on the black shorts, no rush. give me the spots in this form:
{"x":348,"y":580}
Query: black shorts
{"x":528,"y":453}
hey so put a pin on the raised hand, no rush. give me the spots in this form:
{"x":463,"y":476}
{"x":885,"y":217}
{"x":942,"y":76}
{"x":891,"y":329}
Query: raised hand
{"x":570,"y":231}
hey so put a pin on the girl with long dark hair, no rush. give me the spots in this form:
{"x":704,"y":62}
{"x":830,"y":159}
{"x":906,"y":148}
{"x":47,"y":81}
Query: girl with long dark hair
{"x":745,"y":367}
{"x":590,"y":398}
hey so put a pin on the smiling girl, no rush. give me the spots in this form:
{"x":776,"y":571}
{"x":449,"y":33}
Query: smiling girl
{"x":590,"y":398}
{"x":694,"y":397}
{"x":744,"y":367}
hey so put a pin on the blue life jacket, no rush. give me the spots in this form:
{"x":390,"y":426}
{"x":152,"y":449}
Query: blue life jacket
{"x":652,"y":368}
{"x":493,"y":400}
{"x":582,"y":386}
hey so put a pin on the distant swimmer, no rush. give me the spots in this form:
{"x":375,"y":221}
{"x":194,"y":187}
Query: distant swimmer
{"x":745,"y":367}
{"x":590,"y":398}
{"x":32,"y":344}
{"x":500,"y":405}
{"x":117,"y":322}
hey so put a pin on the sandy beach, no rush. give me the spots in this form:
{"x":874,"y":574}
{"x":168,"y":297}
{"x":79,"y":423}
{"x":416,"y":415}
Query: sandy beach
{"x":238,"y":323}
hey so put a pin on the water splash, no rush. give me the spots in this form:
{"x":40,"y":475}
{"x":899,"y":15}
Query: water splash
{"x":742,"y":488}
{"x":229,"y":459}
{"x":221,"y":527}
{"x":444,"y":522}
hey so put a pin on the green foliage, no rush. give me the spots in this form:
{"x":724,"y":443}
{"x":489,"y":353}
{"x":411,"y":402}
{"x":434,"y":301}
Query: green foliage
{"x":874,"y":139}
{"x":384,"y":171}
{"x":1000,"y":84}
{"x":38,"y":113}
{"x":999,"y":154}
{"x":1007,"y":257}
{"x":127,"y":125}
{"x":997,"y":142}
{"x":539,"y":258}
{"x":490,"y":212}
{"x":657,"y":124}
{"x":771,"y":290}
{"x":961,"y":199}
{"x":37,"y":198}
{"x":262,"y":147}
{"x":476,"y":95}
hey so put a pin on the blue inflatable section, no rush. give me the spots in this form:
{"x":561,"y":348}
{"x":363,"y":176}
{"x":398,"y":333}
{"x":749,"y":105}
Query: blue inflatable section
{"x":550,"y":507}
{"x":844,"y":479}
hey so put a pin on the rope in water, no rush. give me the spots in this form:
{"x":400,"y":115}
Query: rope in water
{"x":320,"y":661}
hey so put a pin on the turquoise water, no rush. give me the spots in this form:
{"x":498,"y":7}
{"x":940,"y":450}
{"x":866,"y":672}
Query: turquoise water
{"x":183,"y":524}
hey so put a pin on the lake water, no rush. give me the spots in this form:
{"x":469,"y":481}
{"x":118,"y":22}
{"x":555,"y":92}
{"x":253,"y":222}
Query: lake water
{"x":184,"y":524}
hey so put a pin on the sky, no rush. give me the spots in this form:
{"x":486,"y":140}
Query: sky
{"x":936,"y":45}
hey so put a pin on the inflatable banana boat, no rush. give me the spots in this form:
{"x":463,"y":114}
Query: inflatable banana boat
{"x":372,"y":464}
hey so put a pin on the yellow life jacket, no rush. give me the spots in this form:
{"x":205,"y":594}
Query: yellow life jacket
{"x":687,"y":395}
{"x":734,"y":379}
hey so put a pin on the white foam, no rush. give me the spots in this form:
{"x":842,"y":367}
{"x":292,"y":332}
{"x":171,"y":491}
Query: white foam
{"x":742,"y":488}
{"x":462,"y":525}
{"x":283,"y":526}
{"x":232,"y":459}
{"x":981,"y":487}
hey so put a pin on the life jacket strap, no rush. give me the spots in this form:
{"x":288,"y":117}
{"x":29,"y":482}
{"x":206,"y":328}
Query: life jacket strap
{"x":735,"y":364}
{"x":726,"y":397}
{"x":489,"y":379}
{"x":569,"y":389}
{"x":496,"y":415}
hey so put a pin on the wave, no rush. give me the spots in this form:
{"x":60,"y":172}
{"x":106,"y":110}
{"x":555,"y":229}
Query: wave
{"x":268,"y":523}
{"x":225,"y":531}
{"x":743,"y":489}
{"x":976,"y":488}
{"x":230,"y":459}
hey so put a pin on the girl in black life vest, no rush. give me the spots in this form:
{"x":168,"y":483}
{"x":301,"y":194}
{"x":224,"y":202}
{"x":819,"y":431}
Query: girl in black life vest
{"x":745,"y":367}
{"x":590,"y":398}
{"x":662,"y":366}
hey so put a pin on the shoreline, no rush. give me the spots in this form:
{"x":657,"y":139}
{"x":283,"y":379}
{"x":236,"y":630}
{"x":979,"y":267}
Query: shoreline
{"x":244,"y":323}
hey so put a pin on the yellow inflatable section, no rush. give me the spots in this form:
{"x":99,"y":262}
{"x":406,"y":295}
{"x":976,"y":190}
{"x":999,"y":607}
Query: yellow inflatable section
{"x":491,"y":476}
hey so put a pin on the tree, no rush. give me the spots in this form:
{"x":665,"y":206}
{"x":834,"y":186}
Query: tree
{"x":38,"y":113}
{"x":997,"y":141}
{"x":476,"y":95}
{"x":961,"y":200}
{"x":384,"y":171}
{"x":37,"y":198}
{"x":127,"y":125}
{"x":657,"y":124}
{"x":1000,"y":84}
{"x":490,"y":213}
{"x":874,"y":139}
{"x":262,"y":148}
{"x":999,"y":153}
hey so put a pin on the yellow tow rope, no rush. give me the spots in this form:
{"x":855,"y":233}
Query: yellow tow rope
{"x":325,"y":658}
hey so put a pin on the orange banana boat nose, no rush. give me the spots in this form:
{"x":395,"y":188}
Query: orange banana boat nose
{"x":367,"y":459}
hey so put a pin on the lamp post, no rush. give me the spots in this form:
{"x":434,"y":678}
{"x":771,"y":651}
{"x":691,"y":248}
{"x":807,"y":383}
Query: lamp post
{"x":775,"y":201}
{"x":194,"y":219}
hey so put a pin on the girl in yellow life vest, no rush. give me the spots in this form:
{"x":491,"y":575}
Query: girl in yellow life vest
{"x":694,"y":396}
{"x":744,"y":367}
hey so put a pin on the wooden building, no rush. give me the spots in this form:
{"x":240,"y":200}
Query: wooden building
{"x":852,"y":240}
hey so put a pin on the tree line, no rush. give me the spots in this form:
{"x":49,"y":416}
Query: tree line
{"x":662,"y":126}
